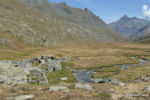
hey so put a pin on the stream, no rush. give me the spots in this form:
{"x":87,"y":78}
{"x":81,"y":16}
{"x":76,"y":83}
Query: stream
{"x":85,"y":75}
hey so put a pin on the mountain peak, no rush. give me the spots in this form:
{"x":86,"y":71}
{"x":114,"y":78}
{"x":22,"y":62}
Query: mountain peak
{"x":125,"y":18}
{"x":128,"y":26}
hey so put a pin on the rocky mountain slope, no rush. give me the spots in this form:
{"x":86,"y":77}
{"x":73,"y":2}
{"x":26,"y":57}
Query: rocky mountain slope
{"x":144,"y":34}
{"x":131,"y":27}
{"x":41,"y":23}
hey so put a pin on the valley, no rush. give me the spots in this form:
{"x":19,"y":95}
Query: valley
{"x":55,"y":51}
{"x":103,"y":56}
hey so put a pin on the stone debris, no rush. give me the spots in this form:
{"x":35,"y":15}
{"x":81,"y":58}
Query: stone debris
{"x":59,"y":88}
{"x":83,"y":86}
{"x":29,"y":70}
{"x":64,"y":79}
{"x":22,"y":97}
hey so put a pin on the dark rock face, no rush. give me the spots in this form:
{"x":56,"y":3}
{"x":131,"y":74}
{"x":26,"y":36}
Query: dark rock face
{"x":129,"y":27}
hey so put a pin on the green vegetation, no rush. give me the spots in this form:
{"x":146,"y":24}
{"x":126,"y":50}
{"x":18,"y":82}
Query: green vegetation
{"x":105,"y":94}
{"x":54,"y":77}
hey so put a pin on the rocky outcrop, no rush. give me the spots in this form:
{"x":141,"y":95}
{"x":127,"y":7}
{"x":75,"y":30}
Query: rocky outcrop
{"x":37,"y":76}
{"x":29,"y":70}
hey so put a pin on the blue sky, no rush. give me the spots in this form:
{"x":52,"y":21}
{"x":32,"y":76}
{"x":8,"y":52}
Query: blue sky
{"x":110,"y":10}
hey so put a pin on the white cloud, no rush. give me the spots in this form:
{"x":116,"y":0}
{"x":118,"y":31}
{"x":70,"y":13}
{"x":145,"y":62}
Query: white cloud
{"x":146,"y":11}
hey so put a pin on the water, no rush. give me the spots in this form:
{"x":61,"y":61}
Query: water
{"x":125,"y":66}
{"x":85,"y":75}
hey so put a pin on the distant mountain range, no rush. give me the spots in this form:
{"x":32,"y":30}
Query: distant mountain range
{"x":135,"y":28}
{"x":42,"y":23}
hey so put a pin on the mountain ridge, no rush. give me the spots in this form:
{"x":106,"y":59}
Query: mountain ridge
{"x":129,"y":26}
{"x":34,"y":27}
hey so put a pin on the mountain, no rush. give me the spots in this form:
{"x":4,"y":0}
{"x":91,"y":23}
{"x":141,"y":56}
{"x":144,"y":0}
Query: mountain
{"x":42,"y":23}
{"x":144,"y":34}
{"x":131,"y":27}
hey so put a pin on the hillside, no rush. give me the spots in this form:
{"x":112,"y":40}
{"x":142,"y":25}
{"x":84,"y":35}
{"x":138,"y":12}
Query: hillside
{"x":130,"y":27}
{"x":41,"y":23}
{"x":144,"y":34}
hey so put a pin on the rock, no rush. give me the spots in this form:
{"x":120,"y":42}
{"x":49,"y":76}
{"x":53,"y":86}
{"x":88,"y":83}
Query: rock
{"x":64,"y":79}
{"x":124,"y":67}
{"x":43,"y":59}
{"x":113,"y":81}
{"x":24,"y":64}
{"x":46,"y":57}
{"x":59,"y":88}
{"x":22,"y":97}
{"x":107,"y":80}
{"x":64,"y":59}
{"x":37,"y":76}
{"x":145,"y":78}
{"x":36,"y":71}
{"x":98,"y":80}
{"x":51,"y":65}
{"x":83,"y":86}
{"x":146,"y":89}
{"x":12,"y":75}
{"x":2,"y":81}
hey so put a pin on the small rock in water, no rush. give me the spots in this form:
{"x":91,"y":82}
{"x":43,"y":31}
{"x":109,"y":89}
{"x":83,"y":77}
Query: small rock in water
{"x":83,"y":86}
{"x":59,"y":88}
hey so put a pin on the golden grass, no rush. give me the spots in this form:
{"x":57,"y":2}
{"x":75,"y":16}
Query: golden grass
{"x":54,"y":77}
{"x":87,"y":55}
{"x":133,"y":73}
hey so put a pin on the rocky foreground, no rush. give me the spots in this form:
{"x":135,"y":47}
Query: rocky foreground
{"x":34,"y":72}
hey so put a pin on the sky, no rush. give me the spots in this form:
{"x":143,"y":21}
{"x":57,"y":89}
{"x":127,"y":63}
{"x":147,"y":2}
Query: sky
{"x":111,"y":10}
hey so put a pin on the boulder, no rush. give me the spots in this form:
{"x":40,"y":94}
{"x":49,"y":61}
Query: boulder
{"x":146,"y":89}
{"x":113,"y":81}
{"x":83,"y":86}
{"x":51,"y":65}
{"x":36,"y":71}
{"x":37,"y":76}
{"x":107,"y":80}
{"x":12,"y":75}
{"x":59,"y":88}
{"x":98,"y":80}
{"x":21,"y":97}
{"x":46,"y":57}
{"x":64,"y":59}
{"x":63,"y":78}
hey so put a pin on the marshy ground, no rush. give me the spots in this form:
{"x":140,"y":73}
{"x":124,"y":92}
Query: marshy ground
{"x":86,"y":56}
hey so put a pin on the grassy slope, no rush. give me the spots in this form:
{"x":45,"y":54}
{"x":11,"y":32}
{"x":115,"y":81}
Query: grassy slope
{"x":33,"y":27}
